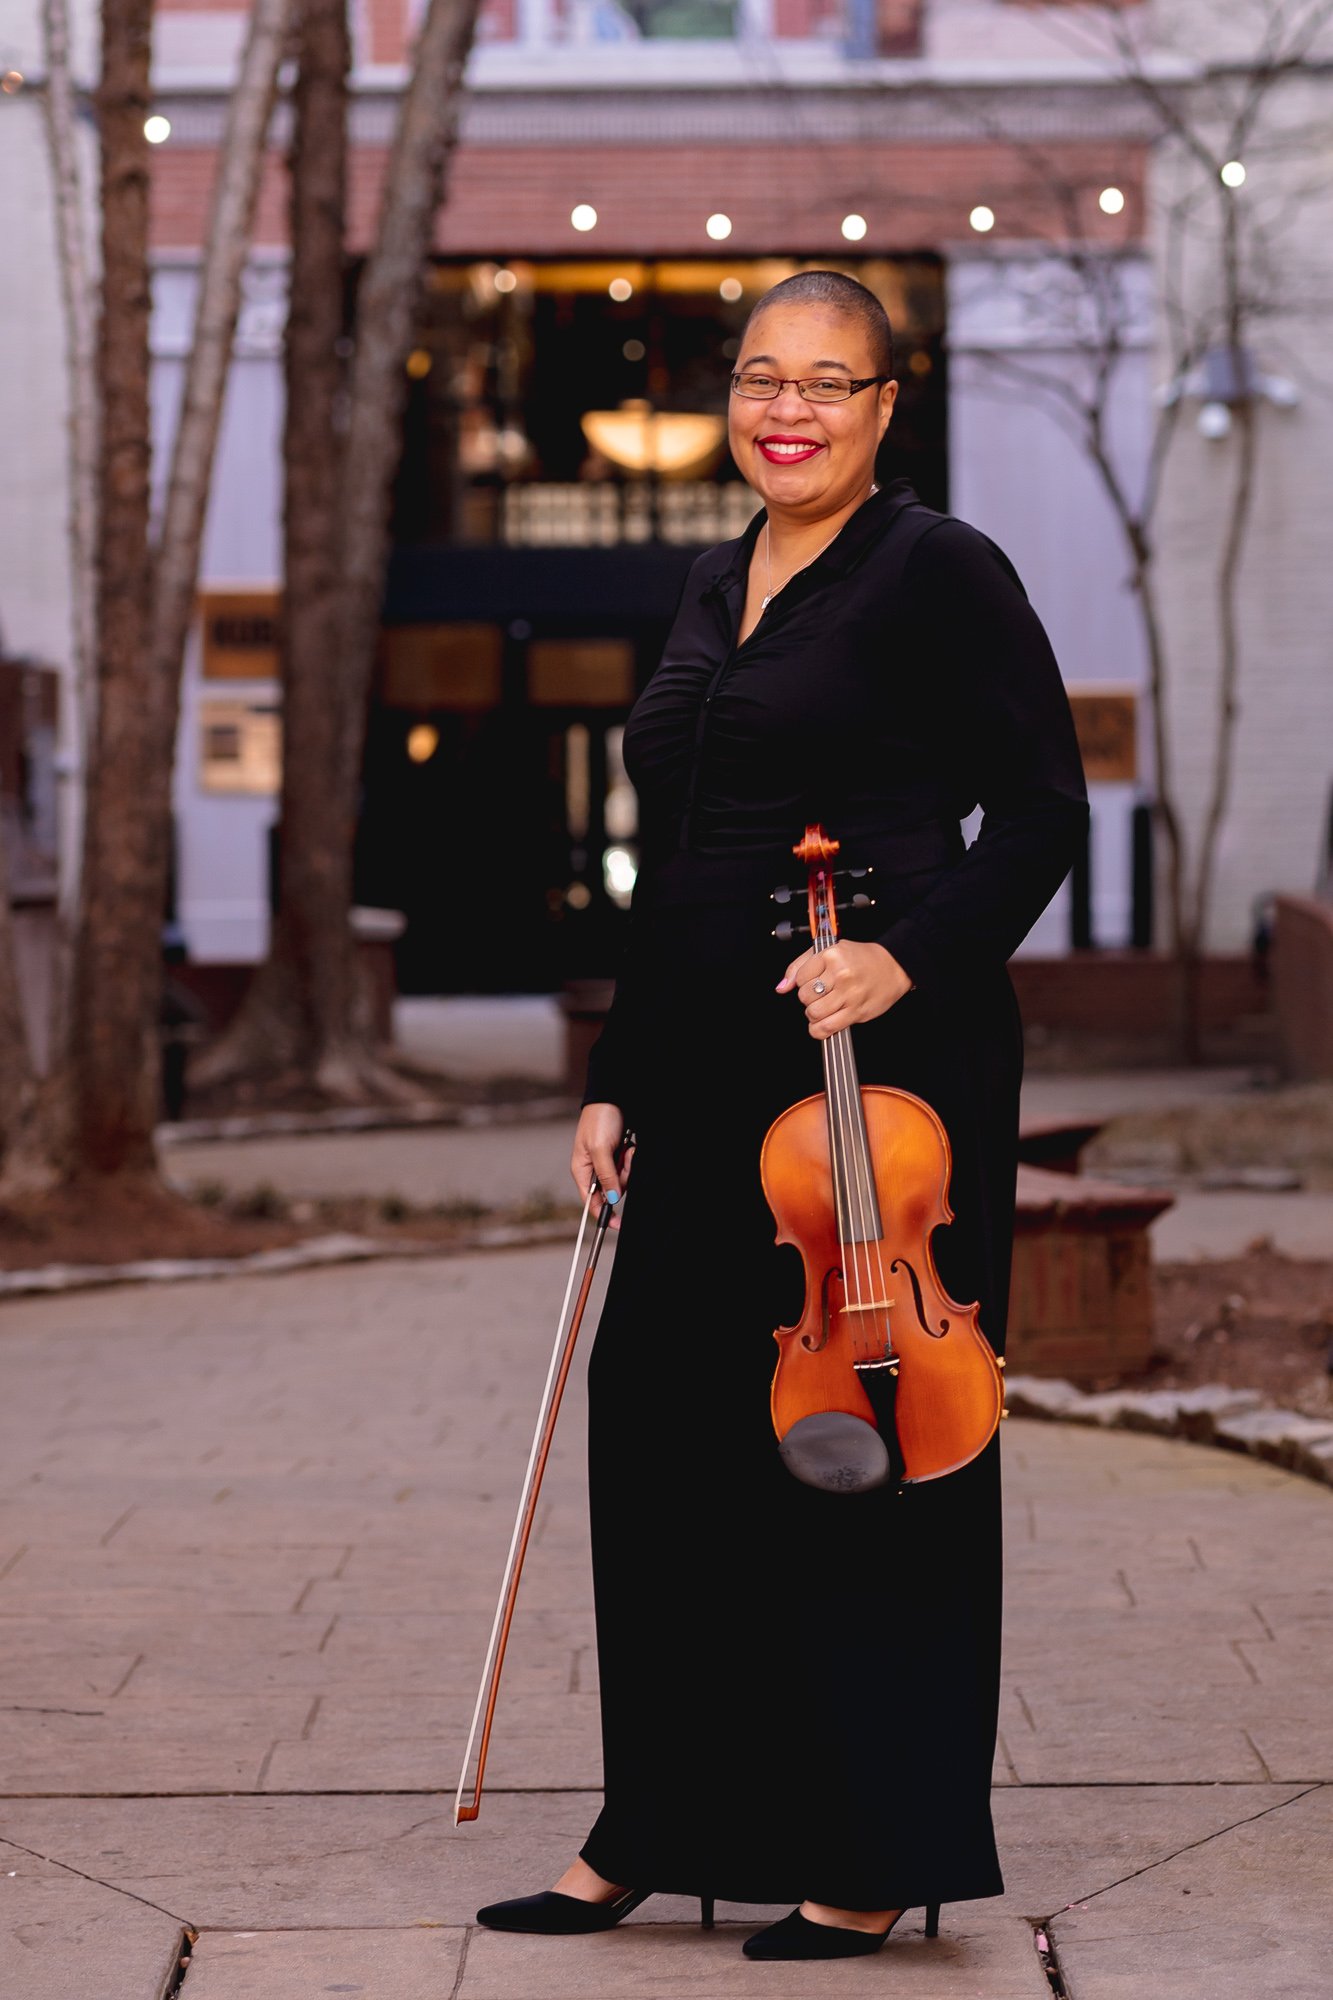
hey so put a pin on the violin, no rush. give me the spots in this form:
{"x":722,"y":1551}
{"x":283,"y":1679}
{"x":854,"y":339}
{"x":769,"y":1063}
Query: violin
{"x":884,"y":1379}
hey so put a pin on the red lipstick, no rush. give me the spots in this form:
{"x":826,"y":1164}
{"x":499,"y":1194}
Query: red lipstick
{"x":789,"y":457}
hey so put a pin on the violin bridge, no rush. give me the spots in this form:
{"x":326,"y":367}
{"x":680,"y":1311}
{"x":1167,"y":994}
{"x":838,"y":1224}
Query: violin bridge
{"x":870,"y":1306}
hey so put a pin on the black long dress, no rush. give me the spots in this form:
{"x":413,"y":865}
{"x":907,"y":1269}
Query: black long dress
{"x":799,"y":1689}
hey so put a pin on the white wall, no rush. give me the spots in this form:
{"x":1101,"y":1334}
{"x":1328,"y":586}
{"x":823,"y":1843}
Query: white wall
{"x":1016,"y":473}
{"x":1283,"y":776}
{"x":222,"y":868}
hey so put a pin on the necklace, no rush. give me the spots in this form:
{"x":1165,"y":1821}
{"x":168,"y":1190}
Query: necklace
{"x":764,"y":602}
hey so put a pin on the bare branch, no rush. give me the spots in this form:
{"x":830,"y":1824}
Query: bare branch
{"x":228,"y":238}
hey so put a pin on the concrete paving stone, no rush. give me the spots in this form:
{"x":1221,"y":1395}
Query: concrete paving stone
{"x":974,"y":1954}
{"x":1295,"y":1660}
{"x":171,"y":1581}
{"x":1138,"y":1747}
{"x":1199,"y":1409}
{"x":1241,"y":1915}
{"x":305,"y":1862}
{"x":539,"y":1744}
{"x":307,"y":1965}
{"x":1039,"y":1396}
{"x":495,"y":1165}
{"x":209,"y":1743}
{"x":1059,"y":1846}
{"x":1204,"y":1225}
{"x":1274,"y":1434}
{"x":58,"y":1663}
{"x":63,"y":1937}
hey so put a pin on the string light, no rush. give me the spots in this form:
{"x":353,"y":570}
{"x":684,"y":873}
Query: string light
{"x":854,"y":227}
{"x":11,"y":82}
{"x":718,"y":227}
{"x":505,"y":281}
{"x":1233,"y":174}
{"x":156,"y":129}
{"x":583,"y":216}
{"x":418,"y":364}
{"x":620,"y":290}
{"x":1111,"y":201}
{"x":982,"y":219}
{"x":423,"y":740}
{"x":731,"y":289}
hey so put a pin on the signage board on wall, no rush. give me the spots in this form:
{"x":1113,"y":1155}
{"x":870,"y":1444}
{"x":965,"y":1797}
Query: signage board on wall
{"x":240,"y":634}
{"x":1106,"y":723}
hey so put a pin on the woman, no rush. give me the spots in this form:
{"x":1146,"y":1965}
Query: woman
{"x":799,"y":1688}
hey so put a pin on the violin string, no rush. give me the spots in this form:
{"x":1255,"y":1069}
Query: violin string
{"x":850,"y":1109}
{"x":838,"y":1149}
{"x":858,"y":1147}
{"x":876,"y":1276}
{"x":864,"y":1277}
{"x":847,"y":1108}
{"x":837,"y":1142}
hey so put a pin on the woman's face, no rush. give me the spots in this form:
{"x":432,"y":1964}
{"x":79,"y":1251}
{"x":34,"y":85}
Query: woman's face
{"x":807,"y":460}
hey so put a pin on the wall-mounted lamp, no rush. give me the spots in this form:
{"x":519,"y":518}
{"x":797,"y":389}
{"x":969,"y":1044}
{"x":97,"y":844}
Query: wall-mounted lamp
{"x":1225,"y":377}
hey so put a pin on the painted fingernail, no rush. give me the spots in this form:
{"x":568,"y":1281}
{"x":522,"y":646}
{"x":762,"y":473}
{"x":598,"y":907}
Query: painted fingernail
{"x":612,"y":1197}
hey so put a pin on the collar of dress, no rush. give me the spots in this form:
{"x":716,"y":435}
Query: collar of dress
{"x":856,"y":536}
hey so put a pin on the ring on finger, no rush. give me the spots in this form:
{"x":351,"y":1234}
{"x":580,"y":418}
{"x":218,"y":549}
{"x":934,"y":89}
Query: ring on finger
{"x":820,"y":988}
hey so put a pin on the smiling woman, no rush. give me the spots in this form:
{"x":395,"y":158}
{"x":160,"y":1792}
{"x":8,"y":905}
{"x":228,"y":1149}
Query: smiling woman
{"x":803,"y":430}
{"x":825,"y":1664}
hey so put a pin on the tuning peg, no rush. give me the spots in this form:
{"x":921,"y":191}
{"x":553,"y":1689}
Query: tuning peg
{"x":856,"y":874}
{"x":784,"y":895}
{"x":787,"y":930}
{"x":859,"y":901}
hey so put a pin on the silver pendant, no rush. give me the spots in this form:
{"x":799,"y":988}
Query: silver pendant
{"x":764,"y":602}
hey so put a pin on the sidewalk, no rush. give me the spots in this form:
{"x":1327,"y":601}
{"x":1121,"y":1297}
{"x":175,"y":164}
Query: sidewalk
{"x":249,"y":1543}
{"x":506,"y":1164}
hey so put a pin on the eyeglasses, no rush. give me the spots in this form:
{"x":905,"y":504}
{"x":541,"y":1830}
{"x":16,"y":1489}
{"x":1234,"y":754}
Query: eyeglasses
{"x":813,"y":388}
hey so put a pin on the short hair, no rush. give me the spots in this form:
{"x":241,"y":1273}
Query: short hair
{"x":844,"y":295}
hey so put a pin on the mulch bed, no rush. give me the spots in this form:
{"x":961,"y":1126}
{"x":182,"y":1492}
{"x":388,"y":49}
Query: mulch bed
{"x":112,"y":1225}
{"x":1261,"y":1321}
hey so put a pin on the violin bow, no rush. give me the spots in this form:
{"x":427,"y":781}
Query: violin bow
{"x":566,"y":1333}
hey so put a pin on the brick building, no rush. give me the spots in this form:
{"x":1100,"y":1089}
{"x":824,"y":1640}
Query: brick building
{"x":629,"y":178}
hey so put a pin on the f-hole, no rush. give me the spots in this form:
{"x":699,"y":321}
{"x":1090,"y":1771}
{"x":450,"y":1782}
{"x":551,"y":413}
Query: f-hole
{"x":825,"y":1314}
{"x":936,"y":1333}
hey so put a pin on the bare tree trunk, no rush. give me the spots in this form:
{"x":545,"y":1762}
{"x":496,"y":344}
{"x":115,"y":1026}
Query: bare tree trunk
{"x":18,"y":1076}
{"x":80,"y":355}
{"x":302,"y":1013}
{"x":117,"y":961}
{"x":142,"y":618}
{"x":298,"y":1004}
{"x":386,"y":312}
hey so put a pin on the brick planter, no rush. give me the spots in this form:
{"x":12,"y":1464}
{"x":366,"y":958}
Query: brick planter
{"x":1080,"y":1303}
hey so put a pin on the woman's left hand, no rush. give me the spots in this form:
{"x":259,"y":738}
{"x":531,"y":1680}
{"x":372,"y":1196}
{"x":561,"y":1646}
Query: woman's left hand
{"x":849,"y":982}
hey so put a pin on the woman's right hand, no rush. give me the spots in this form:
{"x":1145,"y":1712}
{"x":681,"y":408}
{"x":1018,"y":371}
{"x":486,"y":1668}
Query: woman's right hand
{"x":601,"y":1128}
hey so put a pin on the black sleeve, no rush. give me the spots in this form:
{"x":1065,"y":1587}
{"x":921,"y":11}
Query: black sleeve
{"x":997,"y":692}
{"x":614,"y":1057}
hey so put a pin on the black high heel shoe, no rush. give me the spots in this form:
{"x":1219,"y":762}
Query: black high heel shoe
{"x":796,"y":1937}
{"x":552,"y":1915}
